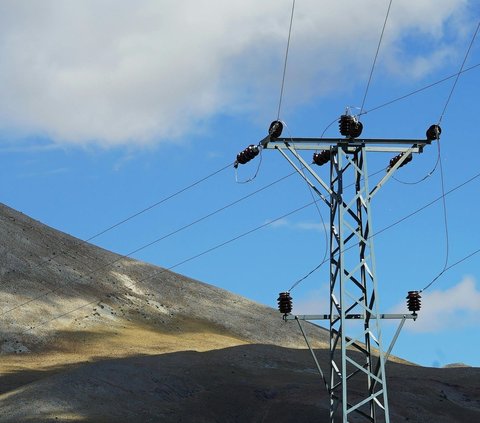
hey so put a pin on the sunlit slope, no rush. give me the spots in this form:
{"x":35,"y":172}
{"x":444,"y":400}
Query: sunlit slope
{"x":61,"y":295}
{"x":89,"y":336}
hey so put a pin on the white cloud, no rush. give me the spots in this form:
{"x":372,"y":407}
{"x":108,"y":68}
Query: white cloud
{"x":311,"y":226}
{"x":278,"y":223}
{"x":303,"y":226}
{"x":313,"y":302}
{"x":120,"y":72}
{"x":454,"y":308}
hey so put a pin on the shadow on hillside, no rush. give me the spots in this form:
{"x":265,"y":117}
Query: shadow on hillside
{"x":250,"y":383}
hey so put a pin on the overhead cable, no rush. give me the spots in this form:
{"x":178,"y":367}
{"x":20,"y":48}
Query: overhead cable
{"x":459,"y":73}
{"x":136,"y":214}
{"x":426,"y":87}
{"x":386,"y":228}
{"x":376,"y":56}
{"x":286,"y":60}
{"x":158,"y":272}
{"x":156,"y":241}
{"x":444,"y":203}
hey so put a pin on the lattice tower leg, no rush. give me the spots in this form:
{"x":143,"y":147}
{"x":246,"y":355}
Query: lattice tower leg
{"x":357,"y":370}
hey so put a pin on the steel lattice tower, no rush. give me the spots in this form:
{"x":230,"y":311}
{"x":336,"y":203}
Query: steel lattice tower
{"x":357,"y":382}
{"x":353,"y":290}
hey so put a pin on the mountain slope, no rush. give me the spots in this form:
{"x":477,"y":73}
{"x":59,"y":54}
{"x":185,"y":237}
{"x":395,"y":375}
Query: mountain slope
{"x":89,"y":336}
{"x":54,"y":285}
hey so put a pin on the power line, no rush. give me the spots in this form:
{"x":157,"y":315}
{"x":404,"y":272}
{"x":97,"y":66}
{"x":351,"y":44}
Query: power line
{"x":426,"y":87}
{"x":156,"y":273}
{"x":430,"y":173}
{"x":136,"y":214}
{"x":310,"y":190}
{"x":149,"y":244}
{"x":156,"y":204}
{"x":445,"y":217}
{"x":444,"y":203}
{"x":285,"y":61}
{"x":376,"y":56}
{"x":459,"y":73}
{"x":408,"y":216}
{"x":218,"y":171}
{"x":404,"y":96}
{"x":227,"y":166}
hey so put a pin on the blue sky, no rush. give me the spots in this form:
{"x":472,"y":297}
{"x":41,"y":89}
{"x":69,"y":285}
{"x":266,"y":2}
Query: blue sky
{"x":109,"y":107}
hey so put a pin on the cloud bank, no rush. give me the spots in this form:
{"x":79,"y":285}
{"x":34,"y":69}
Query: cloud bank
{"x":115,"y":72}
{"x":455,"y":308}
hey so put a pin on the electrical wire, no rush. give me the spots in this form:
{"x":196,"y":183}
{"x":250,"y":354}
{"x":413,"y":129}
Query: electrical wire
{"x":444,"y":203}
{"x":134,"y":215}
{"x":457,"y":76}
{"x":160,"y":271}
{"x":255,"y":174}
{"x":328,"y":126}
{"x":395,"y":224}
{"x":227,"y":166}
{"x":459,"y":73}
{"x":143,"y":247}
{"x":286,"y":60}
{"x":426,"y":87}
{"x":430,"y":173}
{"x":324,"y":260}
{"x":310,"y":190}
{"x":282,"y":88}
{"x":362,"y":112}
{"x":376,"y":56}
{"x":156,"y":204}
{"x":445,"y":220}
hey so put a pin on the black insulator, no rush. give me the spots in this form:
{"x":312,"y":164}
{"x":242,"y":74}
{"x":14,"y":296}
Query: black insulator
{"x":321,"y":158}
{"x":344,"y":124}
{"x":433,"y":133}
{"x":276,"y":128}
{"x":356,"y":129}
{"x":350,"y":126}
{"x":394,"y":161}
{"x":248,"y":154}
{"x":413,"y":301}
{"x":285,"y":302}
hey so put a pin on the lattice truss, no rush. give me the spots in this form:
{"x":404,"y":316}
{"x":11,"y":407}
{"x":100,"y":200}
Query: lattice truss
{"x":353,"y":288}
{"x":357,"y":382}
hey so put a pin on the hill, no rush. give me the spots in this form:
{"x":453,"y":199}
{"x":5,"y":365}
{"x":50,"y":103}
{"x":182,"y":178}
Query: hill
{"x":89,"y":336}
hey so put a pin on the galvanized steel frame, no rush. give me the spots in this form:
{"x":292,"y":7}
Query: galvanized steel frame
{"x":353,"y":283}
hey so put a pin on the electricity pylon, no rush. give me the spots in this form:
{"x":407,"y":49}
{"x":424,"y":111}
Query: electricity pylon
{"x":357,"y":383}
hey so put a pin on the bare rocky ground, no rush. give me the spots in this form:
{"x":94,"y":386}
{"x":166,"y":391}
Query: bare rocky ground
{"x":88,"y":336}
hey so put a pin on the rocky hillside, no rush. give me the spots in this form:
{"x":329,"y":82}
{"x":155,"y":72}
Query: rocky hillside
{"x":89,"y":336}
